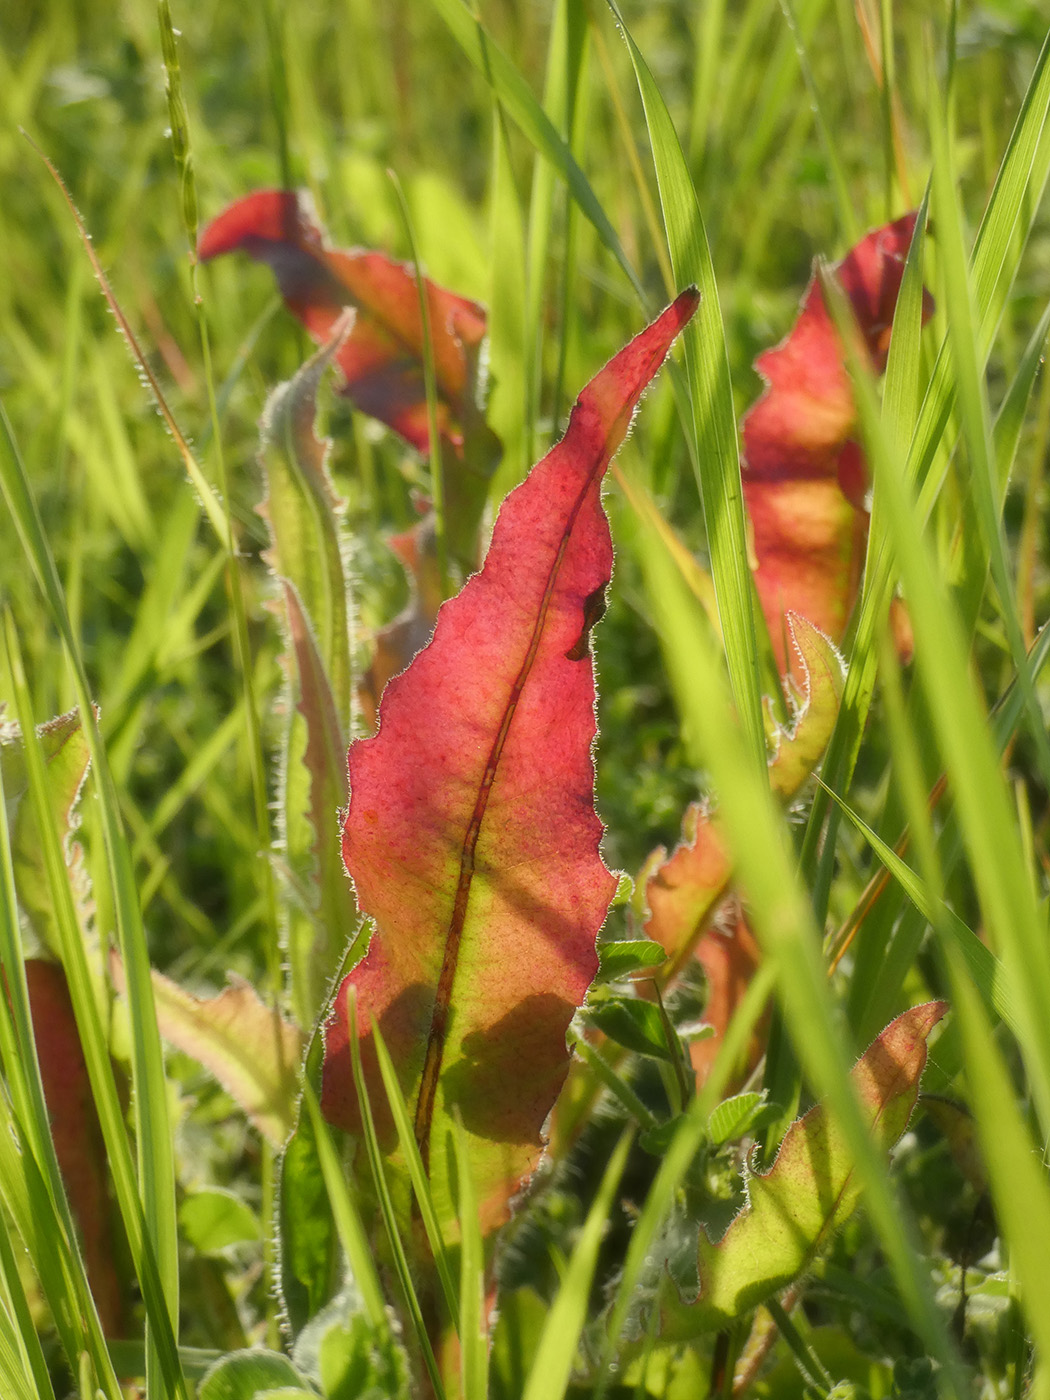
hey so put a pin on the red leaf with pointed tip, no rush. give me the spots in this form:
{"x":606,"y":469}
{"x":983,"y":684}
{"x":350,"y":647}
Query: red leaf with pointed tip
{"x":382,"y":358}
{"x":471,"y":833}
{"x":805,"y":477}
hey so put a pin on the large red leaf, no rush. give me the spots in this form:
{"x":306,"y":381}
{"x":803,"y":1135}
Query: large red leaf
{"x":471,"y":833}
{"x":805,"y":477}
{"x":382,"y":358}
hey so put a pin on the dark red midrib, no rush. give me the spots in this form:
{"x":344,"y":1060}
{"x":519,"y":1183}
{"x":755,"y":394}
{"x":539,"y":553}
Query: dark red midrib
{"x":439,"y":1018}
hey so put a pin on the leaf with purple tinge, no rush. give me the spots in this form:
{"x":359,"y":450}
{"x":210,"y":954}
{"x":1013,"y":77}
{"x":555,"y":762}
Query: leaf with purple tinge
{"x":382,"y":356}
{"x":805,"y":478}
{"x":471,"y":833}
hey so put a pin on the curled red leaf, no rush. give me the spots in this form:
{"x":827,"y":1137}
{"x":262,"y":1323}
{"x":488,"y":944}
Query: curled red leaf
{"x":382,"y":358}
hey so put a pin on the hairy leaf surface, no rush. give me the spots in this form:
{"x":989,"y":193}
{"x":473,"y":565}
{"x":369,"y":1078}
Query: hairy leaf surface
{"x":471,"y":833}
{"x":811,"y":1189}
{"x":800,"y":747}
{"x":806,"y":478}
{"x":305,"y":553}
{"x":250,"y":1049}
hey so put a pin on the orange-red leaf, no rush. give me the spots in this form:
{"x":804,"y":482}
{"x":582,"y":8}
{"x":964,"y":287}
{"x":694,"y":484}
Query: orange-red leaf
{"x":471,"y":833}
{"x":382,"y":358}
{"x":805,"y":478}
{"x":683,"y":892}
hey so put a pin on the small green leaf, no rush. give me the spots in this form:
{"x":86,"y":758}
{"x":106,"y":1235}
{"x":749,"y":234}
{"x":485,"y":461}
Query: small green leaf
{"x":735,"y":1118}
{"x":636,"y":1025}
{"x":657,"y":1140}
{"x":800,"y":748}
{"x":214,"y":1220}
{"x":245,"y":1375}
{"x":617,"y":961}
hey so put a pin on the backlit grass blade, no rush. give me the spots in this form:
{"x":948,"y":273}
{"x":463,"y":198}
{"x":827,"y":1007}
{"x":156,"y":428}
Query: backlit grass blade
{"x":520,"y":104}
{"x":899,"y":410}
{"x":1016,"y":1174}
{"x":417,"y":1172}
{"x":29,"y":1205}
{"x":971,"y":398}
{"x":713,"y":423}
{"x":552,"y":1364}
{"x":1013,"y":920}
{"x":348,"y":1223}
{"x":783,"y":923}
{"x":157,"y":1255}
{"x":386,"y":1207}
{"x":847,"y":216}
{"x":23,"y":1371}
{"x":1010,"y":419}
{"x":22,"y":1073}
{"x":437,"y":476}
{"x":509,"y":413}
{"x":473,"y":1305}
{"x":1000,"y":241}
{"x":984,"y":968}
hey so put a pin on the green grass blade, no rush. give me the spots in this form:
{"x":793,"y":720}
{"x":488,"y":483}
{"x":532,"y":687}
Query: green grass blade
{"x":29,"y":1204}
{"x":899,"y":410}
{"x":1010,"y":419}
{"x":158,"y":1256}
{"x":437,"y":475}
{"x":386,"y":1207}
{"x":556,"y":1352}
{"x":159,"y":1281}
{"x":1013,"y":920}
{"x":971,"y":397}
{"x":406,"y":1137}
{"x":1000,"y":241}
{"x":783,"y":923}
{"x":473,"y":1305}
{"x":511,"y":411}
{"x":984,"y":968}
{"x":521,"y":106}
{"x":713,"y":418}
{"x":1018,"y":1181}
{"x":847,"y":215}
{"x":348,"y":1223}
